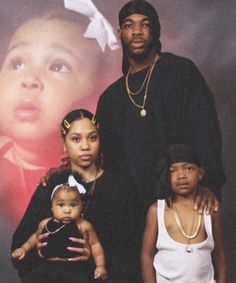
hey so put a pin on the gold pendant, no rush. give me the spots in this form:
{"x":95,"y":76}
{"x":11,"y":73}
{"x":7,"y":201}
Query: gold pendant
{"x":143,"y":113}
{"x":188,"y":249}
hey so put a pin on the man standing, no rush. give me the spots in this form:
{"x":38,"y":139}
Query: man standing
{"x":162,"y":99}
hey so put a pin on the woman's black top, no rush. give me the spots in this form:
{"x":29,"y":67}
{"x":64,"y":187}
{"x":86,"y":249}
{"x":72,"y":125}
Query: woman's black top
{"x":110,"y":212}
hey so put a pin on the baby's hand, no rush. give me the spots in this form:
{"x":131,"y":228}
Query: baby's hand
{"x":100,"y":272}
{"x":19,"y":253}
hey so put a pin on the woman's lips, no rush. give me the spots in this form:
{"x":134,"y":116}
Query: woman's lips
{"x":27,"y":112}
{"x":85,"y":157}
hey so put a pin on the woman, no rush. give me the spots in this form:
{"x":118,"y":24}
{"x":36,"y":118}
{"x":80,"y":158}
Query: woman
{"x":108,"y":206}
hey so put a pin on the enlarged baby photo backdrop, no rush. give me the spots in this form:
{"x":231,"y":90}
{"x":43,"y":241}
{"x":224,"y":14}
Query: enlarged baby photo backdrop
{"x":50,"y":69}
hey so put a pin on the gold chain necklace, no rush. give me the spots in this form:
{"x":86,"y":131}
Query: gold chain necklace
{"x":54,"y":232}
{"x":180,"y":226}
{"x":143,"y":111}
{"x":143,"y":84}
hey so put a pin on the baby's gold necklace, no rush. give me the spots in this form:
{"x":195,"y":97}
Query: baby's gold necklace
{"x":54,"y":232}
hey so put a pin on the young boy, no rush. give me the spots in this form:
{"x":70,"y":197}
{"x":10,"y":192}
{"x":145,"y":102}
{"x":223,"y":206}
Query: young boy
{"x":65,"y":224}
{"x":180,"y":245}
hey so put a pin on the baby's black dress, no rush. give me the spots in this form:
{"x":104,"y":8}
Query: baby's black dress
{"x":60,"y":271}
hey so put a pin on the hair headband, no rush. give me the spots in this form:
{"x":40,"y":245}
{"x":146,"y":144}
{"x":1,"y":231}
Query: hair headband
{"x":71,"y":183}
{"x":99,"y":27}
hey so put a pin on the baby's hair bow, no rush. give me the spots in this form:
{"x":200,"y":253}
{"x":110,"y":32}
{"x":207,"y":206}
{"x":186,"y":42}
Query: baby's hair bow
{"x":71,"y":183}
{"x":99,"y":27}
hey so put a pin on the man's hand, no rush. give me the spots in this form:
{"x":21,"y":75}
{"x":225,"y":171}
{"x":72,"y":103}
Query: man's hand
{"x":205,"y":198}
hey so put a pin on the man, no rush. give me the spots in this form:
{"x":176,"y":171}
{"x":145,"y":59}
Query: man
{"x":162,"y":99}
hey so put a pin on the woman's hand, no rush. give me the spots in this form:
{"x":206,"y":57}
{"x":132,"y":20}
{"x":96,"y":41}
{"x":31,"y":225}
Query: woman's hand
{"x":84,"y":252}
{"x":205,"y":198}
{"x":41,"y":243}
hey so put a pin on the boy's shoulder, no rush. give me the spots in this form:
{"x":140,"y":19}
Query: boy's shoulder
{"x":159,"y":202}
{"x":153,"y":208}
{"x":162,"y":204}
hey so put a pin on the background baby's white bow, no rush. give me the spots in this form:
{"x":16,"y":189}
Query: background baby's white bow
{"x":99,"y":27}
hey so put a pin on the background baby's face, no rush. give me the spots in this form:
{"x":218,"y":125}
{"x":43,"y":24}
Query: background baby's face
{"x":48,"y":69}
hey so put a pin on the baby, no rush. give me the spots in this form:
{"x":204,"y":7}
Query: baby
{"x":66,"y":205}
{"x":47,"y":72}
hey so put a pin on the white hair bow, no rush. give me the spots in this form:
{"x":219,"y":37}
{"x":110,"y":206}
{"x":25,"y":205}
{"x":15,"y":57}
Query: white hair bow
{"x":99,"y":27}
{"x":72,"y":183}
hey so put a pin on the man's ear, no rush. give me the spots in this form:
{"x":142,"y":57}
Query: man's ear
{"x":201,"y":173}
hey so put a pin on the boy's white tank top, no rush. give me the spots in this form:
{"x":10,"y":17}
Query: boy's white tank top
{"x":174,"y":264}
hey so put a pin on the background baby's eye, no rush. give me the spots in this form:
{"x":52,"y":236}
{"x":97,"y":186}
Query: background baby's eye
{"x":59,"y":67}
{"x":16,"y":64}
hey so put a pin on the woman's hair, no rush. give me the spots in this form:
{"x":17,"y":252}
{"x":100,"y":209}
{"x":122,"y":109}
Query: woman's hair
{"x":75,"y":115}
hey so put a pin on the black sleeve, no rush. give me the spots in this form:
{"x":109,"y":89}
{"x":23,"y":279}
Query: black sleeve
{"x":121,"y":247}
{"x":201,"y":125}
{"x":38,"y":209}
{"x":109,"y":141}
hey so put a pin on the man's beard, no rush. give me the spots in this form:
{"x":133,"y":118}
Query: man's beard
{"x":140,"y":57}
